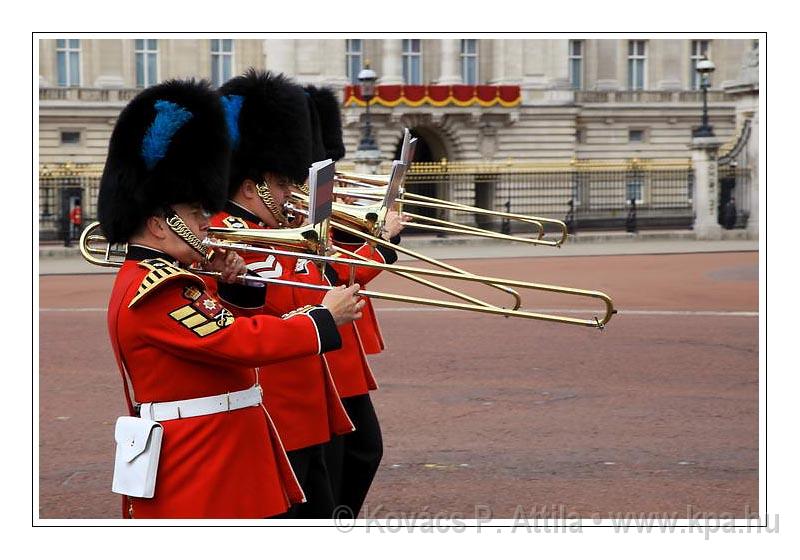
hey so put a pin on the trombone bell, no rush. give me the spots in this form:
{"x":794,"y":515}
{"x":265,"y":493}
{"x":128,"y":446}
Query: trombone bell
{"x":305,"y":239}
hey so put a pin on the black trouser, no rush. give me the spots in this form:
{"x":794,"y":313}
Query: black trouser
{"x":353,"y":458}
{"x":311,"y":471}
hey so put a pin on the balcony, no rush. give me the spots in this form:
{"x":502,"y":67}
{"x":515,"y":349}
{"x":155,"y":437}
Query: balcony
{"x":88,"y":95}
{"x":655,"y":96}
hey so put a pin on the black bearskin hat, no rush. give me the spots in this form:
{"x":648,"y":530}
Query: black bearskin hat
{"x":269,"y":125}
{"x":330,"y":119}
{"x":318,"y":152}
{"x":170,"y":145}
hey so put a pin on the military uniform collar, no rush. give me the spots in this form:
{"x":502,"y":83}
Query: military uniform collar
{"x":239,"y":211}
{"x":142,"y":253}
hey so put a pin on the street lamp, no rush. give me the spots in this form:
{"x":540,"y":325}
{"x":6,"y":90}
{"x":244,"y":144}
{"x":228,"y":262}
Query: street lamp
{"x":704,"y":67}
{"x":367,"y":77}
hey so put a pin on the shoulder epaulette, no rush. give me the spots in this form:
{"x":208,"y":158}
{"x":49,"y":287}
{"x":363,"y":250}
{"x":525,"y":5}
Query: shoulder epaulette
{"x":161,"y":271}
{"x":235,"y":223}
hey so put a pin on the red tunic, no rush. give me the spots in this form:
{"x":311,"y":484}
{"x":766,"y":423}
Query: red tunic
{"x":348,"y":366}
{"x":368,"y":327}
{"x":178,"y":342}
{"x":299,"y":394}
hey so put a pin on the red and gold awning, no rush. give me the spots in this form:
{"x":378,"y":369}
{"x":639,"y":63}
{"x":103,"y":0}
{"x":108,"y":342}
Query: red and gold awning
{"x":438,"y":96}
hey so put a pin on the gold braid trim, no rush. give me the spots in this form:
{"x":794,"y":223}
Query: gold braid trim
{"x":266,"y":197}
{"x":180,"y":228}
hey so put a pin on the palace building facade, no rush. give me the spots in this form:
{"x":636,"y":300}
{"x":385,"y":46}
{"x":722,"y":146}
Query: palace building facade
{"x":507,"y":101}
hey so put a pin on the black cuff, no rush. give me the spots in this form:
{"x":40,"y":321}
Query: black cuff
{"x":331,"y":275}
{"x":239,"y":295}
{"x":329,"y":338}
{"x":389,"y":255}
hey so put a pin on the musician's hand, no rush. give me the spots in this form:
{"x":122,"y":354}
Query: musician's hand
{"x":344,"y":304}
{"x":394,"y":224}
{"x":228,"y":263}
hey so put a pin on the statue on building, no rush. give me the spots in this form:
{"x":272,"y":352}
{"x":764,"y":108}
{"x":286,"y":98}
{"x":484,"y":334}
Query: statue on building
{"x":749,"y":73}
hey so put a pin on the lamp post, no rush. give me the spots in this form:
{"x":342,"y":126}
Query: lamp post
{"x":705,"y":67}
{"x":368,"y":156}
{"x":367,"y":78}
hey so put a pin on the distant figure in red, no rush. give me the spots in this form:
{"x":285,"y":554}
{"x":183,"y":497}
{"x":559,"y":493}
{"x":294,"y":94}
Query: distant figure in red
{"x":75,"y":221}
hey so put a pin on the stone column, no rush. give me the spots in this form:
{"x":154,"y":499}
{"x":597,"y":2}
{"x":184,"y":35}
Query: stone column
{"x":752,"y":156}
{"x":534,"y":73}
{"x":334,"y":69}
{"x":107,"y":55}
{"x":279,"y":56}
{"x":706,"y":187}
{"x":48,"y":75}
{"x":450,"y":72}
{"x":392,"y":54}
{"x":507,"y":61}
{"x":607,"y":64}
{"x":498,"y":61}
{"x":670,"y":68}
{"x":558,"y":63}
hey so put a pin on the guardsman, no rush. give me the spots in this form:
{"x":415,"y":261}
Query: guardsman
{"x":187,"y":362}
{"x":268,"y":119}
{"x":353,"y":458}
{"x":332,"y":147}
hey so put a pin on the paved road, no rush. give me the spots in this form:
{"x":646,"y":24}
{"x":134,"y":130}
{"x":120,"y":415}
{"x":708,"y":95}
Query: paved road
{"x":483,"y":414}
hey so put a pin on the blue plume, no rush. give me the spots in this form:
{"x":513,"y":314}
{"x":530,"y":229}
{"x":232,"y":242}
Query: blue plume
{"x":170,"y":117}
{"x":232,"y":105}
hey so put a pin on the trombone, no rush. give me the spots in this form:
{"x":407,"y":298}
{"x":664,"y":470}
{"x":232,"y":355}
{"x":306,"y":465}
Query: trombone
{"x":95,"y":249}
{"x":262,"y":241}
{"x":357,"y":219}
{"x":372,"y":187}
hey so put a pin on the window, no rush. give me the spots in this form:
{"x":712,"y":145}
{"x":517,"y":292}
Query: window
{"x":70,"y":137}
{"x":576,"y":64}
{"x":412,"y":61}
{"x":469,"y":61}
{"x":146,"y":54}
{"x":637,"y":64}
{"x":580,"y":135}
{"x":635,"y":135}
{"x":221,"y":61}
{"x":68,"y":59}
{"x":633,"y":191}
{"x":353,"y":53}
{"x":699,"y":51}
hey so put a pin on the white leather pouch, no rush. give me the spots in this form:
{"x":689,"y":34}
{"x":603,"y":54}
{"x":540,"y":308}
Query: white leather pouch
{"x":136,"y":460}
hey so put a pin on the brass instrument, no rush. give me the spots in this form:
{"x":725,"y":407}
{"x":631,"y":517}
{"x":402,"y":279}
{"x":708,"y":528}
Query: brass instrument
{"x":356,"y":220}
{"x":225,"y":238}
{"x":372,"y":187}
{"x":91,"y":246}
{"x":371,"y":218}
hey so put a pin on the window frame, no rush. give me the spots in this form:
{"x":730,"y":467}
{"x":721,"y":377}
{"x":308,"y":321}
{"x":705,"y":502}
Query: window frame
{"x":695,"y":79}
{"x":407,"y":56}
{"x":637,"y":183}
{"x":470,"y":58}
{"x":645,"y":135}
{"x":580,"y":58}
{"x":145,"y":52}
{"x":78,"y":131}
{"x":636,"y":57}
{"x":221,"y":54}
{"x":349,"y":56}
{"x":68,"y":49}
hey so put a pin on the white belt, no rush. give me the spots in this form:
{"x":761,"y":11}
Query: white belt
{"x":201,"y":406}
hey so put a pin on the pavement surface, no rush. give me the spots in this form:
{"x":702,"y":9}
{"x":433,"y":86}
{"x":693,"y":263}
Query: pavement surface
{"x":485,"y":416}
